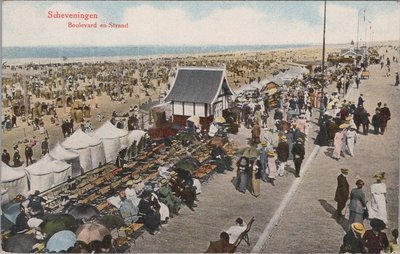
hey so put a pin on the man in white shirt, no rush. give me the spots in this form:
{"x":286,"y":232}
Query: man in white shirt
{"x":235,"y":231}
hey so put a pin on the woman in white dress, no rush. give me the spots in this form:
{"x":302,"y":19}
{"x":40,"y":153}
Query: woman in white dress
{"x":351,"y":137}
{"x":377,"y":206}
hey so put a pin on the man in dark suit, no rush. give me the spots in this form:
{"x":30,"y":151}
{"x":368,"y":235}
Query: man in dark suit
{"x":358,"y":204}
{"x":5,"y":157}
{"x":342,"y":191}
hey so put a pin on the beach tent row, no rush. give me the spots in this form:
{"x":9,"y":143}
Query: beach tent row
{"x":78,"y":154}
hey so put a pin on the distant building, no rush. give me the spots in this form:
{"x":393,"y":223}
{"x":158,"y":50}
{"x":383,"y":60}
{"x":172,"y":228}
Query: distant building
{"x":200,"y":91}
{"x":352,"y":53}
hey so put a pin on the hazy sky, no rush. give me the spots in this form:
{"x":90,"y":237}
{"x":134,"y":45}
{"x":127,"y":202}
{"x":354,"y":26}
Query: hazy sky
{"x":199,"y":23}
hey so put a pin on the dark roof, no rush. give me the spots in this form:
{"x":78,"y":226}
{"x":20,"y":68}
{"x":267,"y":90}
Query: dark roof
{"x":196,"y":85}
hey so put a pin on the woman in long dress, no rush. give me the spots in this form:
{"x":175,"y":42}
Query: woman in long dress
{"x":351,"y":137}
{"x":338,"y":143}
{"x":255,"y":177}
{"x":242,"y":174}
{"x":377,"y":206}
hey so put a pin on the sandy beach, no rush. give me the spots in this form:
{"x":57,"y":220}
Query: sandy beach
{"x":243,"y":68}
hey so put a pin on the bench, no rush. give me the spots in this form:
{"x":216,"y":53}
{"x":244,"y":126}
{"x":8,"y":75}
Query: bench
{"x":244,"y":235}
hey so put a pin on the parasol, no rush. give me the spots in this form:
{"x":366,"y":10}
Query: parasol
{"x":58,"y":223}
{"x":196,"y":120}
{"x":90,"y":232}
{"x":220,"y":119}
{"x":84,"y":211}
{"x":61,"y":241}
{"x":250,"y":152}
{"x":19,"y":243}
{"x":11,"y":212}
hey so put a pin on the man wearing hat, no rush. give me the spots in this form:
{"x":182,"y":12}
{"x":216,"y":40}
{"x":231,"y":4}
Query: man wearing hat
{"x":342,"y":191}
{"x":272,"y":171}
{"x":298,"y":152}
{"x":283,"y":154}
{"x":168,"y":198}
{"x":263,"y":159}
{"x":352,"y":241}
{"x":358,"y":204}
{"x":376,"y":121}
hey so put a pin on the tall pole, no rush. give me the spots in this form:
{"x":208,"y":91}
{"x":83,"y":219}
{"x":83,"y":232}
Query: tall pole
{"x":358,"y":25}
{"x":323,"y":63}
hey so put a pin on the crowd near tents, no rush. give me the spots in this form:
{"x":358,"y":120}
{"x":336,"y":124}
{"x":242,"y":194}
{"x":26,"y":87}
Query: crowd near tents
{"x":76,"y":155}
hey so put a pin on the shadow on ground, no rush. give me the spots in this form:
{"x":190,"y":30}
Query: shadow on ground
{"x":341,"y":220}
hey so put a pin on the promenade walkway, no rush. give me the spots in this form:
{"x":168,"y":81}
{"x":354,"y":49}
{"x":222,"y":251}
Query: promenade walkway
{"x":307,"y":224}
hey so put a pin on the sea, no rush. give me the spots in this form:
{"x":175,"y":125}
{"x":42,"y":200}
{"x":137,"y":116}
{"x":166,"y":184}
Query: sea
{"x":131,"y":51}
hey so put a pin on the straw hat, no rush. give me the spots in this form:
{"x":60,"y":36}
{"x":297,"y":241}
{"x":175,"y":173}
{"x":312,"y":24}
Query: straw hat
{"x":300,"y":139}
{"x":164,"y":182}
{"x":130,"y":183}
{"x":348,"y":118}
{"x":358,"y":228}
{"x":344,"y":126}
{"x":173,"y":173}
{"x":271,"y":153}
{"x":283,"y":138}
{"x":264,"y":143}
{"x":344,"y":170}
{"x":136,"y":179}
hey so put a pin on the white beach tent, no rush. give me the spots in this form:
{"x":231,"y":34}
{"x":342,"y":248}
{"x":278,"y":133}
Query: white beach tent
{"x":61,"y":154}
{"x":4,"y":196}
{"x":135,"y":135}
{"x":90,"y":149}
{"x":114,"y":140}
{"x":61,"y":171}
{"x":14,"y":180}
{"x":40,"y":175}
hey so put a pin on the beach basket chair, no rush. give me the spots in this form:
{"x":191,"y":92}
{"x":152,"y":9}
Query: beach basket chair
{"x":244,"y":235}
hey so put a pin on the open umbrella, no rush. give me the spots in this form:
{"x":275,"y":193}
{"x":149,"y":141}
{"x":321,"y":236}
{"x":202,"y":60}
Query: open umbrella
{"x":19,"y":243}
{"x":195,"y":120}
{"x":111,"y":221}
{"x":90,"y":232}
{"x":84,"y":211}
{"x":61,"y":241}
{"x":220,"y":119}
{"x":250,"y":152}
{"x":11,"y":212}
{"x":58,"y":223}
{"x":187,"y":164}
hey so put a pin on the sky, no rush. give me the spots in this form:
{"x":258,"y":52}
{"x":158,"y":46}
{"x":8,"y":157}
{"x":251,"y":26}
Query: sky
{"x":196,"y":23}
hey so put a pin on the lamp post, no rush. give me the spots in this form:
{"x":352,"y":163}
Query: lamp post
{"x":63,"y":84}
{"x":358,"y":25}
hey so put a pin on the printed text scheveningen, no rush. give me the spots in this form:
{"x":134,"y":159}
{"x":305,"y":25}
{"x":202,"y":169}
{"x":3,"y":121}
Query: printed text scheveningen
{"x":78,"y":15}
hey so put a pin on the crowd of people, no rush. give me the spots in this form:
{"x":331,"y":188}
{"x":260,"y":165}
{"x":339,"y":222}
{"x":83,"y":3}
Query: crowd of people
{"x":357,"y":239}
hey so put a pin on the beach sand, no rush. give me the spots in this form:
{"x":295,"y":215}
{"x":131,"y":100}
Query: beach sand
{"x":268,"y":62}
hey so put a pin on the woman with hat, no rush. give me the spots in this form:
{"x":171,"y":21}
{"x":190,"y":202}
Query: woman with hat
{"x":374,"y":240}
{"x":339,"y":141}
{"x":243,"y":168}
{"x":255,"y":177}
{"x":271,"y":169}
{"x":352,"y":241}
{"x":377,"y":206}
{"x":351,"y":138}
{"x":358,"y":204}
